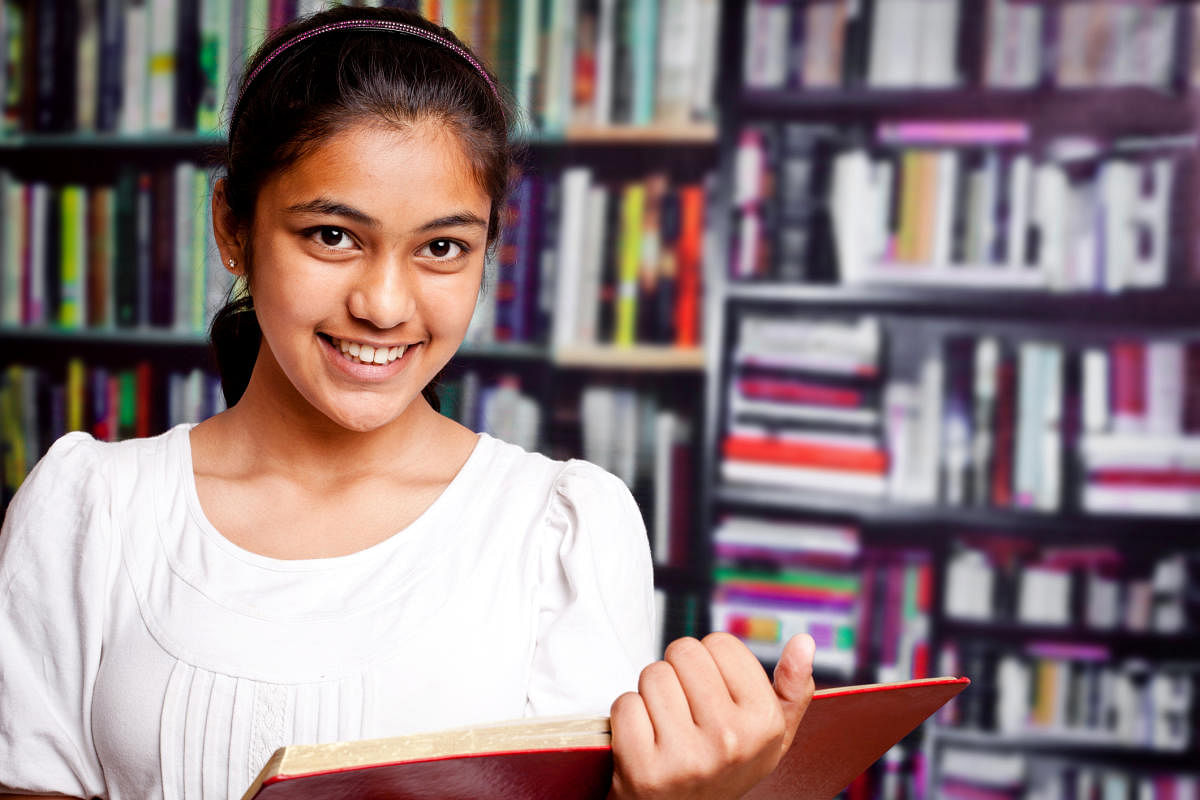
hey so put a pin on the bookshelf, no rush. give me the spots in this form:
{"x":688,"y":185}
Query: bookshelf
{"x":805,"y":315}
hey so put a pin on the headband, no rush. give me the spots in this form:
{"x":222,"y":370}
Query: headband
{"x":374,"y":25}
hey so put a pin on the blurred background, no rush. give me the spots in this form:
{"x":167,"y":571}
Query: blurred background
{"x":886,"y":311}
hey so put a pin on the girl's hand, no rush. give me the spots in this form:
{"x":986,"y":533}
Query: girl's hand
{"x":705,"y":722}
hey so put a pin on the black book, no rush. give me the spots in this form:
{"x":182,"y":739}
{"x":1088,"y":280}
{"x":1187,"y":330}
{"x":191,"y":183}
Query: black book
{"x":125,"y":246}
{"x":52,"y":266}
{"x":668,"y":275}
{"x":610,"y":269}
{"x":188,"y":83}
{"x":856,"y":47}
{"x":162,"y":265}
{"x":143,"y":246}
{"x":112,"y":56}
{"x":622,"y":85}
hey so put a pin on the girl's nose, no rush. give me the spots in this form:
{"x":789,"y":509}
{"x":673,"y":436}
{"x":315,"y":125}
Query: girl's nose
{"x":383,"y":295}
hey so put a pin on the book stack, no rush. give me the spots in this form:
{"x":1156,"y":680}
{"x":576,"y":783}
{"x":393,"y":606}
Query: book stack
{"x":803,"y":407}
{"x":154,"y":66}
{"x":980,"y":426}
{"x":782,"y":224}
{"x":39,"y":405}
{"x":1140,"y":452}
{"x":134,"y":254}
{"x":1001,"y":580}
{"x":832,"y":43}
{"x":1068,"y":692}
{"x":898,"y":586}
{"x":972,"y":774}
{"x":967,"y":204}
{"x":1116,"y":44}
{"x":775,"y":579}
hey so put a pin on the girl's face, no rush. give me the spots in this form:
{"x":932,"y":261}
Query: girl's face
{"x":368,"y":254}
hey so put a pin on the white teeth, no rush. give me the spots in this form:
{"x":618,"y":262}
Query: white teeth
{"x":368,"y":354}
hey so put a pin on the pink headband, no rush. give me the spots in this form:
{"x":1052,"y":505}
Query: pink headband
{"x":375,"y":25}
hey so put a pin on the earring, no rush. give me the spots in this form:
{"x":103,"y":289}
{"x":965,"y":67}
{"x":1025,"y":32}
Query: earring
{"x":232,"y":263}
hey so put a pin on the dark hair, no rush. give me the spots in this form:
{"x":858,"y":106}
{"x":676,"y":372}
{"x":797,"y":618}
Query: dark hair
{"x":322,"y":85}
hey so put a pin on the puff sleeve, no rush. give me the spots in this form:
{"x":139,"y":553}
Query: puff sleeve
{"x":55,"y":549}
{"x":595,"y":625}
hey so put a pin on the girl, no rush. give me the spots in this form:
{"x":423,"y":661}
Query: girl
{"x":331,"y":558}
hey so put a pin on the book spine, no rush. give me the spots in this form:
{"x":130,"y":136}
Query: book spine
{"x":632,"y":208}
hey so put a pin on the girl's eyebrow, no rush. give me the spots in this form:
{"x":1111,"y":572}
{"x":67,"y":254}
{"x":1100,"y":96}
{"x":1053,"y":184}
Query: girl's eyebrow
{"x":323,"y":205}
{"x":454,"y":220}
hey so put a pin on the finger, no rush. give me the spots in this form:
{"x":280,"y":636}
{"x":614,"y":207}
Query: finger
{"x":743,"y":675}
{"x":632,"y":734}
{"x":703,"y":683}
{"x":665,"y":701}
{"x":794,"y":682}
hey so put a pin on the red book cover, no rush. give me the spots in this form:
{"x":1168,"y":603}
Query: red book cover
{"x":1129,"y":379}
{"x":143,"y":399}
{"x":825,"y":456}
{"x":688,"y":253}
{"x":1157,"y":478}
{"x":681,"y":503}
{"x":795,"y":391}
{"x":1003,"y":427}
{"x":844,"y":731}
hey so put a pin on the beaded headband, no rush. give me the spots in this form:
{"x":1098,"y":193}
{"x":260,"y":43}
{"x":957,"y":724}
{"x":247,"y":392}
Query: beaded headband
{"x":375,"y":25}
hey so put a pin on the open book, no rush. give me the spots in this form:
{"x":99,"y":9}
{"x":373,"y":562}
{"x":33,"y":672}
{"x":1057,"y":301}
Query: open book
{"x":844,"y":731}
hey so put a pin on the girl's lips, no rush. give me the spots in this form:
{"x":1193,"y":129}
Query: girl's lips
{"x":366,"y":373}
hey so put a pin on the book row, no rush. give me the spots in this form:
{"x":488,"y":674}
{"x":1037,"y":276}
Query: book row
{"x":973,"y":774}
{"x":38,"y":405}
{"x":582,"y":263}
{"x":136,"y":253}
{"x":138,"y":66}
{"x":1072,"y":693}
{"x":864,"y":606}
{"x":1003,"y":44}
{"x":983,"y":421}
{"x":651,"y":447}
{"x":499,"y":408}
{"x":953,"y":202}
{"x":1075,"y":588}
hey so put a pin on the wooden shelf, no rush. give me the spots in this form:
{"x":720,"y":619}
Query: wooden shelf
{"x":166,"y":140}
{"x":639,"y":358}
{"x":696,"y":133}
{"x":128,"y":337}
{"x":1163,"y":646}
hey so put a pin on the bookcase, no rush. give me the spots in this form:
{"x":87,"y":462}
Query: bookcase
{"x":952,"y":376}
{"x":587,"y":341}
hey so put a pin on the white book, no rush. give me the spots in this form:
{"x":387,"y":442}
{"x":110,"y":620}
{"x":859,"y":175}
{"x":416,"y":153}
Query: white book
{"x":705,"y":74}
{"x":160,"y":68}
{"x":785,"y":412}
{"x":766,"y":39}
{"x":39,"y":211}
{"x":606,"y":34}
{"x":665,"y":423}
{"x":936,"y":66}
{"x":1123,"y":66}
{"x":1012,"y":706}
{"x":850,"y":205}
{"x":598,"y":199}
{"x":1084,"y":238}
{"x":969,"y":586}
{"x":573,"y":205}
{"x":789,"y":536}
{"x":482,"y":328}
{"x":1095,"y":390}
{"x":678,"y":42}
{"x":183,"y":228}
{"x":943,"y":219}
{"x":901,"y":426}
{"x":929,"y":431}
{"x":136,"y":59}
{"x":1019,"y":176}
{"x":1141,"y":500}
{"x":892,"y":56}
{"x":559,"y":71}
{"x":811,"y":478}
{"x":1048,"y":489}
{"x":596,"y":408}
{"x":1026,"y":460}
{"x":1152,"y":220}
{"x":1157,"y":39}
{"x":1165,"y":387}
{"x":1044,"y":597}
{"x":1118,"y":192}
{"x":527,"y":56}
{"x":882,"y":186}
{"x":1051,"y":198}
{"x":624,"y":444}
{"x":14,"y":222}
{"x":87,"y":66}
{"x":1140,"y":451}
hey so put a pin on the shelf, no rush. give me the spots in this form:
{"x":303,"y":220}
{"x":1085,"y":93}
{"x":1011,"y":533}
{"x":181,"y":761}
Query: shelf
{"x":679,"y":579}
{"x":691,"y":134}
{"x":1161,"y":308}
{"x":638,"y":358}
{"x":1161,"y":646}
{"x":502,"y":351}
{"x":166,"y":140}
{"x":1068,"y":745}
{"x":1117,"y":110}
{"x":882,"y":512}
{"x":121,"y":337}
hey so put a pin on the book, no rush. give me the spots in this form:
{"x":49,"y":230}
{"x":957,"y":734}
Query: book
{"x":843,"y":732}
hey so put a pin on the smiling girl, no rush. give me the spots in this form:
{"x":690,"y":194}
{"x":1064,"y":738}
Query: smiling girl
{"x":331,"y":558}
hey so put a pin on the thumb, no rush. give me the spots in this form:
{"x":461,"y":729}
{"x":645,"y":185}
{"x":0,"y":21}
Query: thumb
{"x":793,"y":682}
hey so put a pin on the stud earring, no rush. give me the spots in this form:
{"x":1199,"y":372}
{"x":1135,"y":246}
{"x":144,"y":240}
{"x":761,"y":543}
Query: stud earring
{"x":232,"y":263}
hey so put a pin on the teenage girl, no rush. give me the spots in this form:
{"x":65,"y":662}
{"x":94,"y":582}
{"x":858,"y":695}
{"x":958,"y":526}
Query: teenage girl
{"x":331,"y":558}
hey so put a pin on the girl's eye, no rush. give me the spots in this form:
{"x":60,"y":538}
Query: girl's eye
{"x":442,"y":249}
{"x":333,"y":238}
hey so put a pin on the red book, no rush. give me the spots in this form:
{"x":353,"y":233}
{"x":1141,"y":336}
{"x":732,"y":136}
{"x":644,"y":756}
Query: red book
{"x":791,"y":391}
{"x":1004,"y":427}
{"x":688,"y":254}
{"x":1129,"y":380}
{"x":143,"y":399}
{"x":844,"y":731}
{"x":1162,"y":478}
{"x":825,"y":456}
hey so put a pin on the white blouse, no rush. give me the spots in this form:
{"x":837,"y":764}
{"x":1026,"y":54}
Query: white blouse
{"x":144,"y":655}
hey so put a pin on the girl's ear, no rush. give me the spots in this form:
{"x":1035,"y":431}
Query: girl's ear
{"x":227,"y":232}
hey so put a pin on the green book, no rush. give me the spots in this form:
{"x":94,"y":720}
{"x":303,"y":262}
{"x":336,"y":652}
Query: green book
{"x":73,"y":255}
{"x":127,"y":404}
{"x":124,"y":273}
{"x":643,"y":44}
{"x":258,"y":15}
{"x":633,"y":202}
{"x":811,"y":579}
{"x":199,"y":261}
{"x":214,"y":63}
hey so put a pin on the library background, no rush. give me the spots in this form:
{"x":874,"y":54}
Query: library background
{"x":886,"y":310}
